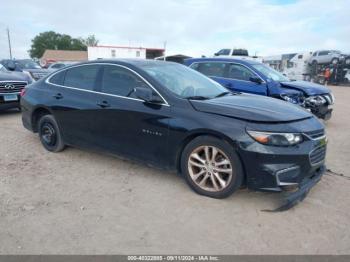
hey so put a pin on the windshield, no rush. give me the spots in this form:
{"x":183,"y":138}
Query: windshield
{"x":271,"y":73}
{"x":27,"y":64}
{"x":183,"y":81}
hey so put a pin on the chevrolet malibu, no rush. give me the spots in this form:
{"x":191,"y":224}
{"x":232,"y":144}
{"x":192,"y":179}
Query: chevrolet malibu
{"x":168,"y":115}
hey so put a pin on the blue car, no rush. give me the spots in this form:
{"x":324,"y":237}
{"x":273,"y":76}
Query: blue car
{"x":249,"y":76}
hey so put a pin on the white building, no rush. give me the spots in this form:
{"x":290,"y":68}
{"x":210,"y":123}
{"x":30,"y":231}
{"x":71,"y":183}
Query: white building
{"x":105,"y":52}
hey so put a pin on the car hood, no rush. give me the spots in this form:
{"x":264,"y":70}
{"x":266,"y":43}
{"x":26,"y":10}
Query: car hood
{"x":252,"y":108}
{"x":307,"y":87}
{"x":13,"y":76}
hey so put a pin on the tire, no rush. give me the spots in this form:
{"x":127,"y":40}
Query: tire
{"x":49,"y":134}
{"x":334,"y":61}
{"x":222,"y":175}
{"x":314,"y":66}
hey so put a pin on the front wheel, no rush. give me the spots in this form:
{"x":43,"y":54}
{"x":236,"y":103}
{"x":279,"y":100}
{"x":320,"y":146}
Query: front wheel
{"x":49,"y":134}
{"x":211,"y":167}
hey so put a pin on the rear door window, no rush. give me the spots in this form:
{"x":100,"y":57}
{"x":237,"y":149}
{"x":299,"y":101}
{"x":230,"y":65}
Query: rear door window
{"x":58,"y":78}
{"x":82,"y":77}
{"x":210,"y":69}
{"x":119,"y":81}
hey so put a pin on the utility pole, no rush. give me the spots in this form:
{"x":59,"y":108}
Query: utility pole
{"x":9,"y":40}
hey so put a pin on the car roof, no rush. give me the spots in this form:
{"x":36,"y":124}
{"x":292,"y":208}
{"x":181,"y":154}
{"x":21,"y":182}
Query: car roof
{"x":130,"y":61}
{"x":214,"y":59}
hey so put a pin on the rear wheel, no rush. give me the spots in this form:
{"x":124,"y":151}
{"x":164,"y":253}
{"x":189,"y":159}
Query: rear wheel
{"x":335,"y":61}
{"x":49,"y":134}
{"x":211,"y":167}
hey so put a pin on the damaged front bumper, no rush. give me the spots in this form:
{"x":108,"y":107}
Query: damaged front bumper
{"x":320,"y":105}
{"x":323,"y":112}
{"x":292,"y":198}
{"x":292,"y":171}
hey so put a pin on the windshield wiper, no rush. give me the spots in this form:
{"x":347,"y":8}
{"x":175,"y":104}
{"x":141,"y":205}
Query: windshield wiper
{"x":223,"y":94}
{"x":197,"y":97}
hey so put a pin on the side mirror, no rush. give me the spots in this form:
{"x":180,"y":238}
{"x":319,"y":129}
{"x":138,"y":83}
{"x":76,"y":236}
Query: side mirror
{"x":146,"y":94}
{"x":255,"y":79}
{"x":11,"y":66}
{"x":216,"y":54}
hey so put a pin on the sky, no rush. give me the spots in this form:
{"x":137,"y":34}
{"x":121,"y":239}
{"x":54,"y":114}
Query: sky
{"x":191,"y":27}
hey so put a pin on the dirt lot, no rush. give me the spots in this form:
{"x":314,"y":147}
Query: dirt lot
{"x":79,"y":202}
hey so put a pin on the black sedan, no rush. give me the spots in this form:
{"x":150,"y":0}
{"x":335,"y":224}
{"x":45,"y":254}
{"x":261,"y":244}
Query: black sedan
{"x":171,"y":116}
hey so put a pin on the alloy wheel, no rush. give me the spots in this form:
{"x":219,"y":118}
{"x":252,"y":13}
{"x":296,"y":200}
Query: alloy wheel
{"x":210,"y":168}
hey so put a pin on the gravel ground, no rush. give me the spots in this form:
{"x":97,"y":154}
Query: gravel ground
{"x":79,"y":202}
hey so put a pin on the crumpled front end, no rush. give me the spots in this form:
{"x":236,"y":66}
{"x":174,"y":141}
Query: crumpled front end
{"x":320,"y":105}
{"x":315,"y":98}
{"x":291,"y":170}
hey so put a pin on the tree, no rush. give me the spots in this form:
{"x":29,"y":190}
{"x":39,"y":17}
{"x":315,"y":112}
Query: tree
{"x":56,"y":41}
{"x":90,"y":41}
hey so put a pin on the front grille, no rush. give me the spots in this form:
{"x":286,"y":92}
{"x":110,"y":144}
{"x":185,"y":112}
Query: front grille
{"x":12,"y":86}
{"x":318,"y":155}
{"x":316,"y":134}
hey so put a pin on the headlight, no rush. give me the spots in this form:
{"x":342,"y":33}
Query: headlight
{"x":316,"y":100}
{"x":333,"y":98}
{"x":292,"y":99}
{"x":30,"y":77}
{"x":276,"y":139}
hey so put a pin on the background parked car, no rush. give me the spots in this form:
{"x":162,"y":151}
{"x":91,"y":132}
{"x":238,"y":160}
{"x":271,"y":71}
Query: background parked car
{"x":257,"y":78}
{"x":11,"y":84}
{"x":326,"y":57}
{"x":27,"y":66}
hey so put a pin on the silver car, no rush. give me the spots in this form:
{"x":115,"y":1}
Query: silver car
{"x":326,"y":57}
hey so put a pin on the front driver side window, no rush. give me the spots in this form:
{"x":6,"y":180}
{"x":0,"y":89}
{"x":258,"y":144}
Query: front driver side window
{"x":120,"y":81}
{"x":239,"y":72}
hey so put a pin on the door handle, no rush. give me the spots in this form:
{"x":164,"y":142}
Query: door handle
{"x":103,"y":104}
{"x":58,"y":96}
